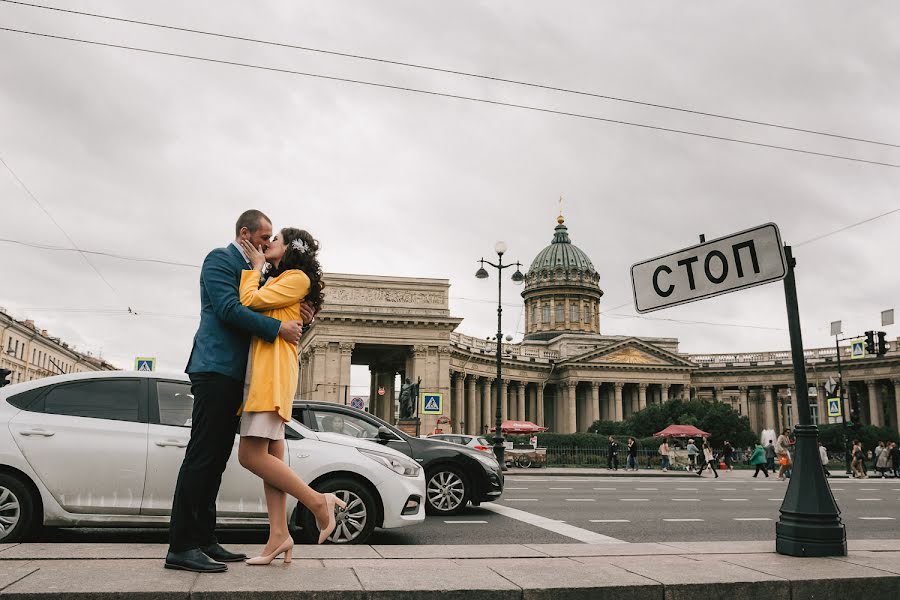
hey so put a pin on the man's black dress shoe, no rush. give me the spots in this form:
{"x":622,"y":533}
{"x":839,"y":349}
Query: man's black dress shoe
{"x":194,"y":560}
{"x":217,"y":552}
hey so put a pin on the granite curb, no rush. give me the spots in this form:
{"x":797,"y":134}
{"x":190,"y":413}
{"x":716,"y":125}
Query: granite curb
{"x":661,"y":571}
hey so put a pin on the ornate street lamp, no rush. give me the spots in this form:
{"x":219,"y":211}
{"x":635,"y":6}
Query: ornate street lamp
{"x":518,"y":278}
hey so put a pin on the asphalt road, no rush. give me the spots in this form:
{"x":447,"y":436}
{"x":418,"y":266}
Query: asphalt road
{"x":537,"y":509}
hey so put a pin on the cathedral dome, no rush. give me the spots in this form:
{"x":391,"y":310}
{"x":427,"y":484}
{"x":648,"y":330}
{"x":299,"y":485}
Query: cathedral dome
{"x":562,"y":290}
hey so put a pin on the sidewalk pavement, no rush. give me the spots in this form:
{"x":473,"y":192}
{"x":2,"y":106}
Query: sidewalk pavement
{"x":603,"y":472}
{"x":669,"y":570}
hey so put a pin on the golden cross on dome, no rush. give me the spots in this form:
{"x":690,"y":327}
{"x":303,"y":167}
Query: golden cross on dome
{"x":560,"y":218}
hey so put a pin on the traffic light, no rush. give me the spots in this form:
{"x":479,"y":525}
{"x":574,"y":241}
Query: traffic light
{"x":882,"y":347}
{"x":4,"y":373}
{"x":870,"y":342}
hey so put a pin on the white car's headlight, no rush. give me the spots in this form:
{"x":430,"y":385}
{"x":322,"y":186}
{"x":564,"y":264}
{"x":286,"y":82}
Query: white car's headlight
{"x":397,"y":464}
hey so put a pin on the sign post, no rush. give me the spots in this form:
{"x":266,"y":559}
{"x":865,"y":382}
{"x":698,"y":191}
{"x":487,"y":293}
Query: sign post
{"x":810,"y":523}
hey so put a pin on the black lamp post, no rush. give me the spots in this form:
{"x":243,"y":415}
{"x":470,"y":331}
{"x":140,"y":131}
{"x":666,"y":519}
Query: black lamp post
{"x":518,"y":278}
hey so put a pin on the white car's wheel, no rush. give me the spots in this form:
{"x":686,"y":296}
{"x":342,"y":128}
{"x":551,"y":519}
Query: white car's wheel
{"x":16,"y":509}
{"x":354,"y":524}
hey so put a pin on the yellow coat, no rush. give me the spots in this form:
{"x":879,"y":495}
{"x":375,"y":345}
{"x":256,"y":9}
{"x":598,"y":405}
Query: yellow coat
{"x":273,"y":367}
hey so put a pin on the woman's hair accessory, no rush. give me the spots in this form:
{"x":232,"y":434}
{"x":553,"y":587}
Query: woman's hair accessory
{"x":300,"y":245}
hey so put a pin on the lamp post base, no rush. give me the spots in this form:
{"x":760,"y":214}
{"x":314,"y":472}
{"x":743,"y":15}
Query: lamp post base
{"x":499,"y":452}
{"x":810,"y":523}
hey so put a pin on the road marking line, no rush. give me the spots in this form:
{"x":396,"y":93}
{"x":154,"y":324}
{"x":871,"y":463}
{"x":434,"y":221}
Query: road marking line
{"x":560,"y":488}
{"x":734,"y":499}
{"x":685,"y":499}
{"x":869,"y":490}
{"x":465,"y":522}
{"x":776,"y":499}
{"x":634,"y":499}
{"x":682,"y":520}
{"x":577,"y":533}
{"x":521,"y":499}
{"x":837,"y":489}
{"x":868,"y":499}
{"x":878,"y":518}
{"x":580,"y":500}
{"x":752,"y":519}
{"x":756,"y":489}
{"x":610,"y":521}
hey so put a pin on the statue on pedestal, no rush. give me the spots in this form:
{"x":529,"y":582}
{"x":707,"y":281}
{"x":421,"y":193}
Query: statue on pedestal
{"x":409,"y":393}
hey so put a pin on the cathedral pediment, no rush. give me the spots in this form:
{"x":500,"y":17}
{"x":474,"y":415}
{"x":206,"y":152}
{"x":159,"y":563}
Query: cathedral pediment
{"x":632,"y":351}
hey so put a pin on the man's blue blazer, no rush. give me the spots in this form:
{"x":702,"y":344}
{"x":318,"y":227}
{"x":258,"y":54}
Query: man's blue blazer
{"x":222,"y":341}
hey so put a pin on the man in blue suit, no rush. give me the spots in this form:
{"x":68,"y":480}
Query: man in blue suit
{"x":217,"y":367}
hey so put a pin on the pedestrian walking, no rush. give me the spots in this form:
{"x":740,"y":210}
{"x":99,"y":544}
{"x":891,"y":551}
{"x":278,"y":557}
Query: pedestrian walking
{"x":883,"y":462}
{"x":664,"y":455}
{"x":692,"y":454}
{"x":770,"y":456}
{"x":895,"y":459}
{"x":632,"y":455}
{"x":823,"y":456}
{"x":758,"y":460}
{"x":612,"y":454}
{"x":857,"y":463}
{"x":782,"y":449}
{"x":728,"y":456}
{"x":709,"y":460}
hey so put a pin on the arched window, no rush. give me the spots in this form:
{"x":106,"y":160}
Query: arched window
{"x":547,"y":313}
{"x":573,"y":312}
{"x":560,"y":313}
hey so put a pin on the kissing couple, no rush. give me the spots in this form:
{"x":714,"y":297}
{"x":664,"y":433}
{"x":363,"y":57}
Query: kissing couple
{"x":243,"y":370}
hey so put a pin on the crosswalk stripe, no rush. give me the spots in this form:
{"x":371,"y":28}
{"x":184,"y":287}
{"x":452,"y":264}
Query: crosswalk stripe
{"x":577,"y":533}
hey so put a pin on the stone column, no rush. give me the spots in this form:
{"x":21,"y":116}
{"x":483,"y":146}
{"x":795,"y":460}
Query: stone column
{"x":346,"y":350}
{"x":504,"y":399}
{"x":473,"y":423}
{"x":539,"y":401}
{"x":686,"y":392}
{"x":663,"y":393}
{"x":520,"y":389}
{"x":486,"y":395}
{"x":642,"y":396}
{"x":559,"y":408}
{"x":874,"y":403}
{"x":896,"y":383}
{"x":571,"y":407}
{"x":620,"y":409}
{"x":771,"y":416}
{"x":386,"y":380}
{"x":531,"y":409}
{"x":595,"y":402}
{"x":457,"y":409}
{"x":822,"y":401}
{"x":745,"y":400}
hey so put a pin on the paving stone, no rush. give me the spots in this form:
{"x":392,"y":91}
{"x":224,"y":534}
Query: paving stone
{"x":278,"y":581}
{"x":11,"y":572}
{"x":575,"y":581}
{"x":385,"y":563}
{"x":7,"y":546}
{"x":68,"y":551}
{"x":874,"y":545}
{"x":517,"y":563}
{"x":721,"y":547}
{"x":884,"y":561}
{"x":334,"y":551}
{"x":459,"y":551}
{"x":685,"y":578}
{"x":624,"y":549}
{"x":457,"y":583}
{"x":88,"y":579}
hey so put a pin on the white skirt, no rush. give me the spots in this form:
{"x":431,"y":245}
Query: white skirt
{"x":267,"y":424}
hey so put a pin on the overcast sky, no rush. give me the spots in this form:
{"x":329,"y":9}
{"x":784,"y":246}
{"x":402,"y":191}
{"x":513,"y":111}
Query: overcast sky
{"x":151,"y":156}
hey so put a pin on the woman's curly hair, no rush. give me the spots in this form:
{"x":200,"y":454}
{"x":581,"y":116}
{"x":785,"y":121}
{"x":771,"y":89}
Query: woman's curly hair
{"x":305,"y":260}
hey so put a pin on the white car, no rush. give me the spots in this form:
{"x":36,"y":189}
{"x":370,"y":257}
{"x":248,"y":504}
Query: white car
{"x":103,"y":449}
{"x":472,"y":441}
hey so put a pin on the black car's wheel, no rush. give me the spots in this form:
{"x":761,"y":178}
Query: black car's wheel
{"x":17,"y":509}
{"x":354,"y":523}
{"x":447,"y":491}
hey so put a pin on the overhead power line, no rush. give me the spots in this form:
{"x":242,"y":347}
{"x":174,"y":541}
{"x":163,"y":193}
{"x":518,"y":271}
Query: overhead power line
{"x":453,"y":96}
{"x":452,"y":72}
{"x":846,"y":227}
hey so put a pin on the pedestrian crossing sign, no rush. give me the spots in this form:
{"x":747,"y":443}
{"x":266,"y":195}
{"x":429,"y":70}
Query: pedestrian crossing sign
{"x":147,"y":365}
{"x":432,"y":404}
{"x":834,"y":407}
{"x":857,"y":348}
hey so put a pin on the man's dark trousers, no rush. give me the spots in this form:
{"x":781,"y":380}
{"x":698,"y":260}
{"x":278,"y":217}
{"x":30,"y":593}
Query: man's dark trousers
{"x":217,"y":399}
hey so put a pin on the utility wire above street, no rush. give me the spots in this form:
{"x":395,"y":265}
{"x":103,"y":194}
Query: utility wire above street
{"x":451,"y":72}
{"x":452,"y":96}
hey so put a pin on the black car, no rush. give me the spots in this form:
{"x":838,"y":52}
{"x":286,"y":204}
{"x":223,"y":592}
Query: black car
{"x":454,"y":475}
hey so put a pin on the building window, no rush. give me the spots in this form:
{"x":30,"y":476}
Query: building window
{"x":34,"y":356}
{"x":560,"y":313}
{"x":9,"y":346}
{"x":546,"y":313}
{"x":535,"y":320}
{"x":573,"y":313}
{"x":587,"y":314}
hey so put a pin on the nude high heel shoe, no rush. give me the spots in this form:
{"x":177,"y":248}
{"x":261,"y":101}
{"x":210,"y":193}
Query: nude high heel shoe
{"x":331,"y":501}
{"x":287,"y":547}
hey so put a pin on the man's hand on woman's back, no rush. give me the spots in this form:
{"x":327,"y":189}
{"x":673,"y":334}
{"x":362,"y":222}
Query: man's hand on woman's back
{"x":290,"y":331}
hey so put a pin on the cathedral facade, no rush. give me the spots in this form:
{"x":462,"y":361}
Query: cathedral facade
{"x":565,"y":374}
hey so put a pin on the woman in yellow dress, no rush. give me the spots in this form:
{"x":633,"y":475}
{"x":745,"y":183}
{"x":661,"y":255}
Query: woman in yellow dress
{"x":295,"y":276}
